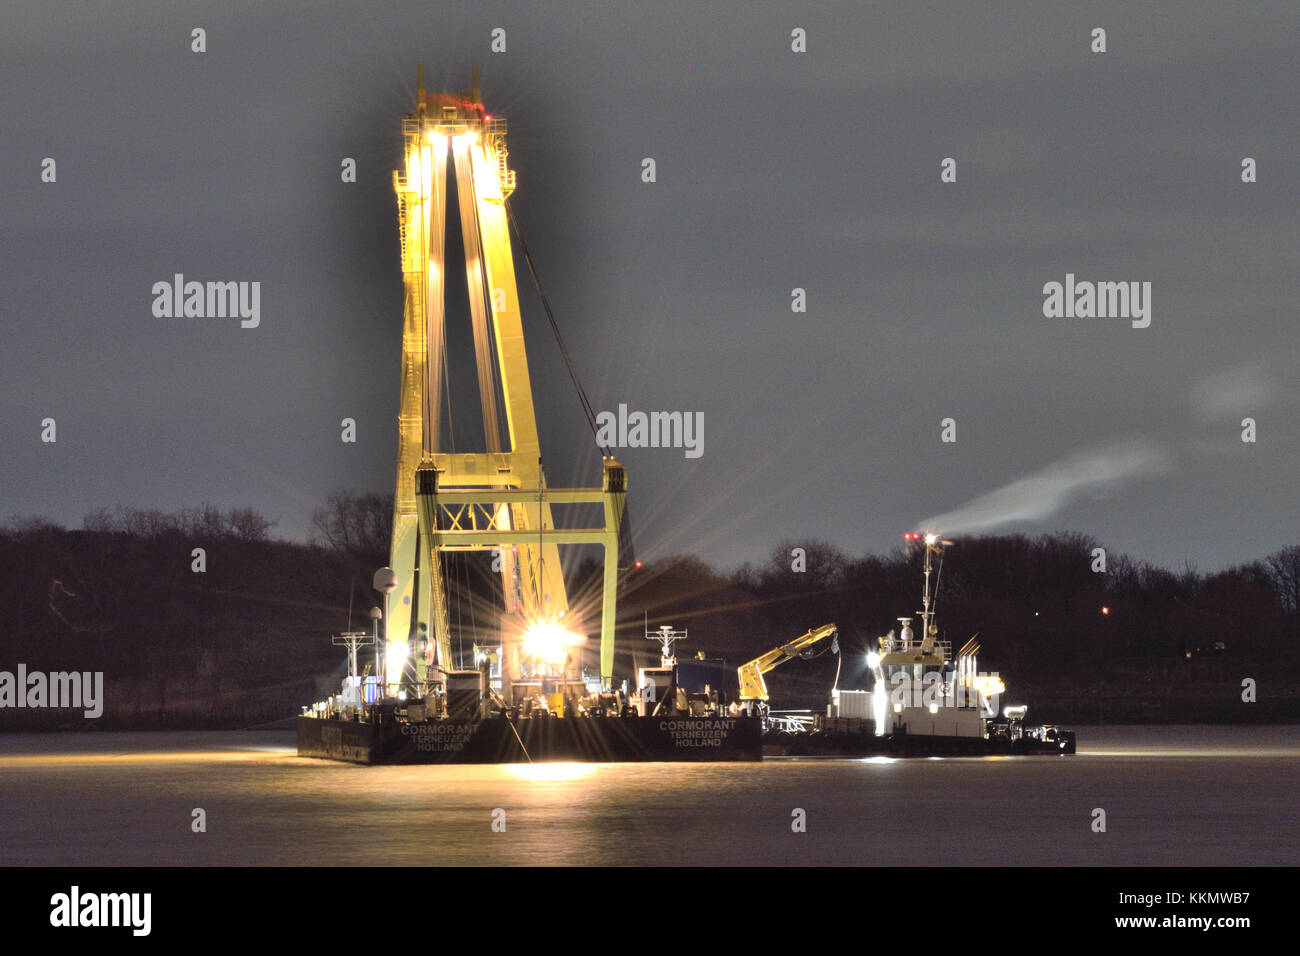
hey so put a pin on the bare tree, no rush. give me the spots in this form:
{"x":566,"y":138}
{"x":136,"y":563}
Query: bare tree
{"x":205,"y":521}
{"x":23,"y":526}
{"x":355,"y":524}
{"x":1284,"y":574}
{"x":101,"y":519}
{"x":247,"y":525}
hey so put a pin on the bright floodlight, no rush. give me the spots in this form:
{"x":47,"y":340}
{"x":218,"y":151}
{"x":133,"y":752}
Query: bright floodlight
{"x":549,"y":642}
{"x":397,"y":652}
{"x":931,"y":538}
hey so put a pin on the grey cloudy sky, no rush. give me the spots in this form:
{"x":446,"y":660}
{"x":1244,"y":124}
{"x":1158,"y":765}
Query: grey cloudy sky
{"x":775,"y":170}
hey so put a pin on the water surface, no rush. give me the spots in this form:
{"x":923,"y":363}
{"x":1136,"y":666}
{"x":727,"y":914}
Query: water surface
{"x":1172,"y":795}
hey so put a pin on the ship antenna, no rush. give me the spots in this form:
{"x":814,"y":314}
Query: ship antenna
{"x":938,"y":578}
{"x":930,"y":599}
{"x":925,"y":595}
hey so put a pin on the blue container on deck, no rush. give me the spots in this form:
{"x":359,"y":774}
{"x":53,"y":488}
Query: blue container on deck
{"x":370,"y":689}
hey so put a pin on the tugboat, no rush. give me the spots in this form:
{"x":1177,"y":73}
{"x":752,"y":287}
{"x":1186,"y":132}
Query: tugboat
{"x":924,"y":701}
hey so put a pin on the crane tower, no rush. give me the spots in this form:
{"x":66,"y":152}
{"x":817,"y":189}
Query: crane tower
{"x":496,"y":499}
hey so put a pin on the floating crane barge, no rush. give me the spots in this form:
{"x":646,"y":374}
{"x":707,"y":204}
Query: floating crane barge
{"x":527,"y":696}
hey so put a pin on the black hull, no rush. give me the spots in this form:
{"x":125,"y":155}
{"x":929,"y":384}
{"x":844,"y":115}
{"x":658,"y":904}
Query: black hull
{"x":625,"y":739}
{"x":911,"y":745}
{"x":497,"y":740}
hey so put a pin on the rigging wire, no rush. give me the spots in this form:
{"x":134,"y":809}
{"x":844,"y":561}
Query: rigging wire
{"x":587,"y":408}
{"x":469,"y":592}
{"x":446,"y":381}
{"x":460,"y":617}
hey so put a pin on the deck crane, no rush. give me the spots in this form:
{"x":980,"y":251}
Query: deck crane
{"x":495,"y":500}
{"x":752,"y":686}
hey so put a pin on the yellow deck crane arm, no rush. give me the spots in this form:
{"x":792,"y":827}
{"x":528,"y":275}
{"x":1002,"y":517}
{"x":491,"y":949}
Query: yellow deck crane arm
{"x":752,"y":685}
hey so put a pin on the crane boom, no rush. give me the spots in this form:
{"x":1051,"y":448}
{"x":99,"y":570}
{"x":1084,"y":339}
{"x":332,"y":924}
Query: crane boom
{"x":497,"y":499}
{"x":752,"y":685}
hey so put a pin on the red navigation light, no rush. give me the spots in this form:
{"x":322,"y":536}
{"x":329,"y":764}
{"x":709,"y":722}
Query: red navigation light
{"x":637,"y":564}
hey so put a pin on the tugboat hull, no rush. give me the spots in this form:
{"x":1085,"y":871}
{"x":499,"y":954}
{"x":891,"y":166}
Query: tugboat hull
{"x":850,"y":744}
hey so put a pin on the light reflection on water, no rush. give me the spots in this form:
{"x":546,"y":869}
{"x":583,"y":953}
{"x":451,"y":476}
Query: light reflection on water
{"x":550,"y":771}
{"x":1177,"y":795}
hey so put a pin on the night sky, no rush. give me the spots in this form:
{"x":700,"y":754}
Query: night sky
{"x":775,"y":170}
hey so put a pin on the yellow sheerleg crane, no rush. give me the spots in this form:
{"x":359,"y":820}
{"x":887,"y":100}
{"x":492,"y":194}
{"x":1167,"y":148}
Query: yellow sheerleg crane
{"x":496,"y":499}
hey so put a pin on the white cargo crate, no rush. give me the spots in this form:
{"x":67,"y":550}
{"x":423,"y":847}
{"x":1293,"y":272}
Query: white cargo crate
{"x":851,"y":703}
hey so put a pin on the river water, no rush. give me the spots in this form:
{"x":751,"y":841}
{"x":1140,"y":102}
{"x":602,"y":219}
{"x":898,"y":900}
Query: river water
{"x":1171,"y":796}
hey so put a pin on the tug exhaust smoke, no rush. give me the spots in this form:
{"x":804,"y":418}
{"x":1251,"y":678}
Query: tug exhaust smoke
{"x":1048,"y":491}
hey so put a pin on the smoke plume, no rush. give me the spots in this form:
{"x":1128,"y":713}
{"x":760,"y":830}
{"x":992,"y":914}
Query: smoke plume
{"x":1048,"y":491}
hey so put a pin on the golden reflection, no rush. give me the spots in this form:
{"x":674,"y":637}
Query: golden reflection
{"x":551,"y":771}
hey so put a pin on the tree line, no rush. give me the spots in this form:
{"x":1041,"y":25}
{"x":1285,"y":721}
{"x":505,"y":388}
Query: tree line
{"x":247,"y":640}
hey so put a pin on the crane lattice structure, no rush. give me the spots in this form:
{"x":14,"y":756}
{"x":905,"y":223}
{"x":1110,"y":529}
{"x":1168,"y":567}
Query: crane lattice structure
{"x":496,"y":499}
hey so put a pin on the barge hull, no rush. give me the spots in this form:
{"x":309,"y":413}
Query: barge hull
{"x":499,"y":740}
